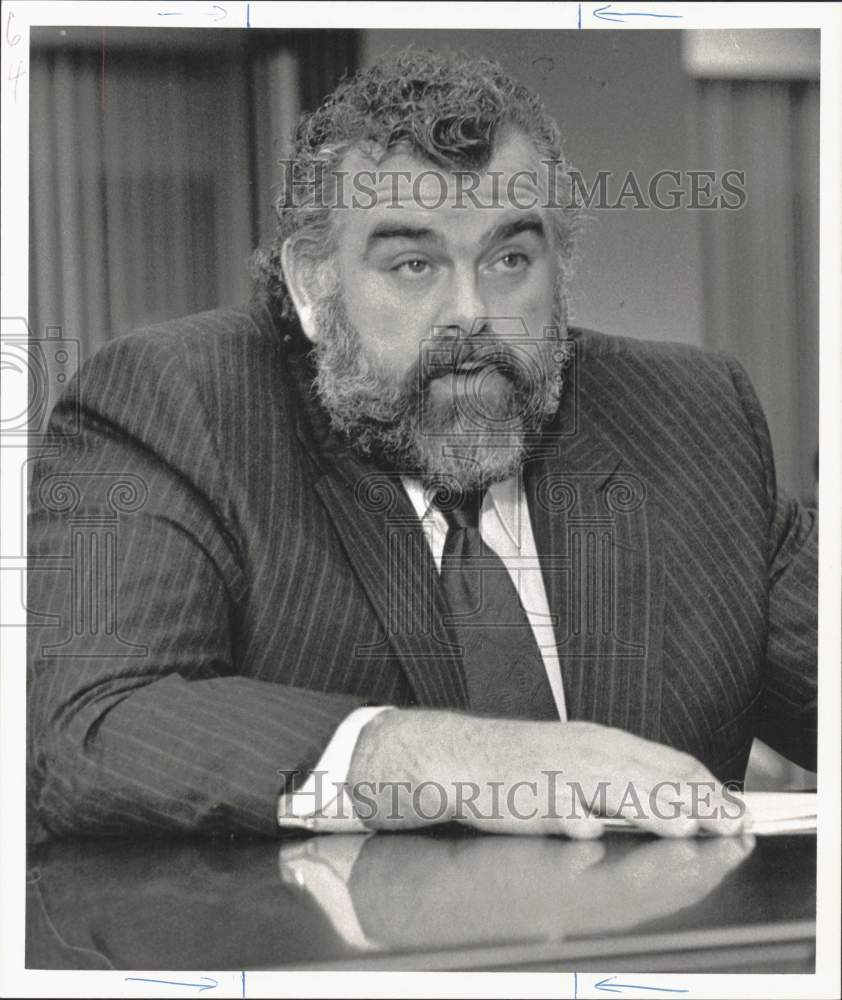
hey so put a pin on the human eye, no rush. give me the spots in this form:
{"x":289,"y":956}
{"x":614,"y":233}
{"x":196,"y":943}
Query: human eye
{"x":413,"y":267}
{"x":511,"y":262}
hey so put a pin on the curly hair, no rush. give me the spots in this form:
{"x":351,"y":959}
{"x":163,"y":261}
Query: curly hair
{"x":449,"y":107}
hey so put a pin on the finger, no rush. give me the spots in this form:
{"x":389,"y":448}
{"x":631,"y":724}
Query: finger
{"x":718,"y":814}
{"x":662,"y":809}
{"x":699,"y":800}
{"x":706,"y":808}
{"x":723,"y":823}
{"x":652,"y":806}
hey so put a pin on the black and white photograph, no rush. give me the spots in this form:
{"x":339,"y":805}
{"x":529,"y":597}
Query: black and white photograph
{"x":411,"y":487}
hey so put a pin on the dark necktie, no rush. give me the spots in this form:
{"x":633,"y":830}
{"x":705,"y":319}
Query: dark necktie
{"x":504,"y":671}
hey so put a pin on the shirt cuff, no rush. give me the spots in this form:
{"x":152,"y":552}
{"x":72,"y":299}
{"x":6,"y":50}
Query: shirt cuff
{"x":322,"y":804}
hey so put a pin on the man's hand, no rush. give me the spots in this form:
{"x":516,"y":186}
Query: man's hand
{"x":413,"y":768}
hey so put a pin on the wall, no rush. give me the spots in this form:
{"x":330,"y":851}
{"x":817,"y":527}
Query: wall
{"x":621,"y":99}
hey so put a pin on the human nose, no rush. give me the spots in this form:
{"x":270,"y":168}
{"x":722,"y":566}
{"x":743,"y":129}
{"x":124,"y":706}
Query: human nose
{"x":464,"y":312}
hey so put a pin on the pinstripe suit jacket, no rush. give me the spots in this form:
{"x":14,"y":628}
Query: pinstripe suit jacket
{"x":216,"y":581}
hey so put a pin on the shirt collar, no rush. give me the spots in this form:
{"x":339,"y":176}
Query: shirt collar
{"x":504,"y":498}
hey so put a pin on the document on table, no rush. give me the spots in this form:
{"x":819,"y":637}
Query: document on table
{"x":770,"y":812}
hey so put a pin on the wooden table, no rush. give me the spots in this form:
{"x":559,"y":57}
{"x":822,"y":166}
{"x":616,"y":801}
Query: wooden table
{"x":444,"y":900}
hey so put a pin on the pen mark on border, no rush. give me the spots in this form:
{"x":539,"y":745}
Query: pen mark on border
{"x":616,"y":16}
{"x":608,"y":985}
{"x":211,"y":984}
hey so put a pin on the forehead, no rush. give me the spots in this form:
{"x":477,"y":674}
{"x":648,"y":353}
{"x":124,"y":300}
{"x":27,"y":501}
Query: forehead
{"x":404,"y":187}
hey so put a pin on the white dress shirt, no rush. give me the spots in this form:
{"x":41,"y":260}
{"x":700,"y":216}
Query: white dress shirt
{"x":322,"y":804}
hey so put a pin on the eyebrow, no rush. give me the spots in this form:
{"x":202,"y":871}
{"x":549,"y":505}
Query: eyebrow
{"x":529,"y":223}
{"x":397,"y":231}
{"x":384,"y":231}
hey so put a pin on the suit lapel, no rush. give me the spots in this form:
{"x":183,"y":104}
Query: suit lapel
{"x":599,"y":535}
{"x":385,"y":545}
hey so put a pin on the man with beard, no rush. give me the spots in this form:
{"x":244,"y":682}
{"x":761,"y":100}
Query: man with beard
{"x":394,"y":546}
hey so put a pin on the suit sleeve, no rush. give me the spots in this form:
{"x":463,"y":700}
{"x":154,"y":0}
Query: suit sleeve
{"x":790,"y":702}
{"x":141,"y":719}
{"x":788,"y":714}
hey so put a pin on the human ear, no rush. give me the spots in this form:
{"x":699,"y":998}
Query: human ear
{"x":304,"y":279}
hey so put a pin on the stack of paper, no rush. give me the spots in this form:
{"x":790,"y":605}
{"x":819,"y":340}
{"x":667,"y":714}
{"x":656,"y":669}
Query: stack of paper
{"x":770,"y":812}
{"x":781,"y":812}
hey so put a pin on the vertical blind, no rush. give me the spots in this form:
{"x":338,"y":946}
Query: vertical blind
{"x":761,"y":264}
{"x":153,"y":160}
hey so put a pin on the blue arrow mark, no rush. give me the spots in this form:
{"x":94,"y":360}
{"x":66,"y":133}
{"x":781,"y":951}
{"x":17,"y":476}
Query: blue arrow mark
{"x":619,"y":987}
{"x":211,"y":984}
{"x":607,"y":14}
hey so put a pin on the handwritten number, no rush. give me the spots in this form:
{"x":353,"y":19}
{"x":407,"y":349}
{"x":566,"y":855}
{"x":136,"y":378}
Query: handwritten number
{"x":11,"y":39}
{"x":14,"y":77}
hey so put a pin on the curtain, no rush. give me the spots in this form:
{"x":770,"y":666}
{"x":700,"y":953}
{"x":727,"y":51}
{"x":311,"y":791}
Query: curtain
{"x":154,"y":154}
{"x":761,"y":263}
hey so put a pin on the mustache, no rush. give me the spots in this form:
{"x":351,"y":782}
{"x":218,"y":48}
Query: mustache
{"x":448,"y":356}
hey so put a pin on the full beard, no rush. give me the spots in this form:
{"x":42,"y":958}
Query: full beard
{"x":462,"y":415}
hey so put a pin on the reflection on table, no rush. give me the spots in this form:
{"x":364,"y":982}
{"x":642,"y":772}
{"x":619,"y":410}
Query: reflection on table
{"x":444,"y":899}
